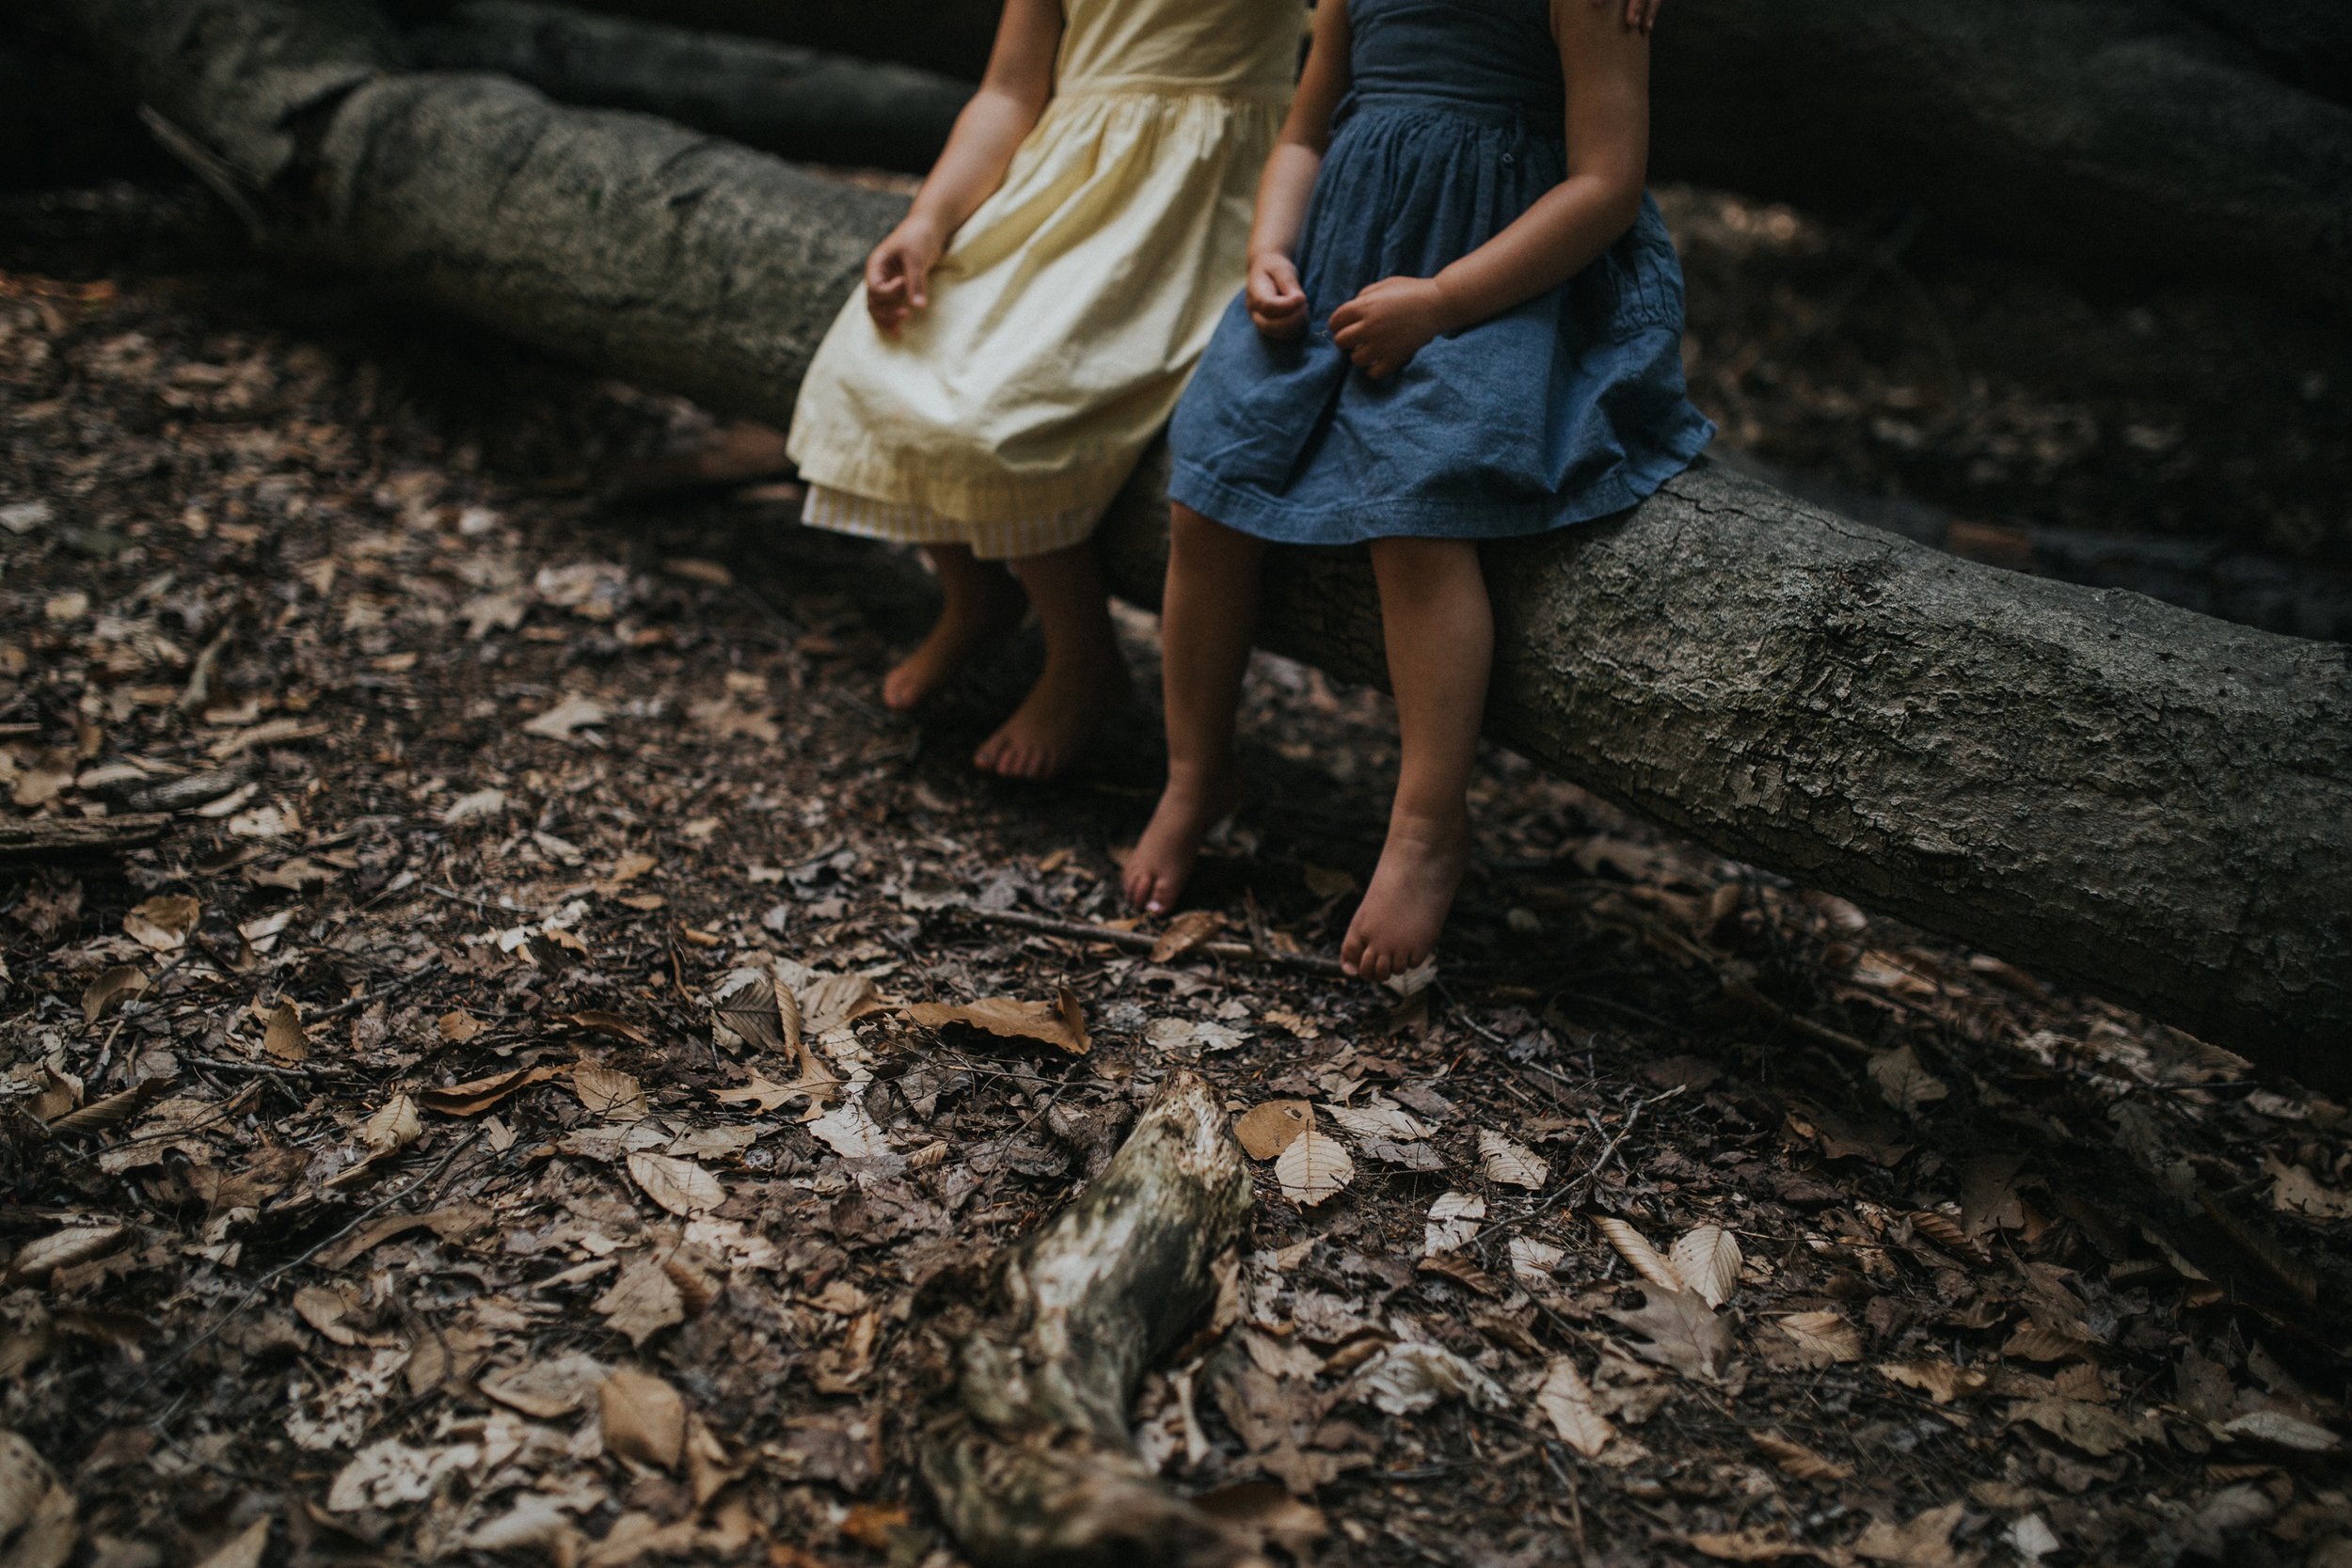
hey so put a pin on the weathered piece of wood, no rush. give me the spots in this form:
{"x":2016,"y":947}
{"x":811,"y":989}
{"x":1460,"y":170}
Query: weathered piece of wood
{"x":2111,"y":791}
{"x":798,"y":102}
{"x":1036,"y":1467}
{"x":38,"y":840}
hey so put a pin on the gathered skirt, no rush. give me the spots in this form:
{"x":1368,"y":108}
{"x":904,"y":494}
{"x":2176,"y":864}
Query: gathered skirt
{"x":1568,"y":407}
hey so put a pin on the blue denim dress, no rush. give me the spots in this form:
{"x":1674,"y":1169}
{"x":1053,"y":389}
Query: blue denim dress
{"x":1568,"y":407}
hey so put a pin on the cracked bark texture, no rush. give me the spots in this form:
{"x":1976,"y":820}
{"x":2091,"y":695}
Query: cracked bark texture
{"x":2105,"y":789}
{"x":796,"y":102}
{"x":1037,"y":1465}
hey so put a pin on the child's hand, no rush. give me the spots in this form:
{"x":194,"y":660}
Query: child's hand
{"x":897,"y":274}
{"x":1277,"y":301}
{"x":1385,"y":324}
{"x":1640,"y":16}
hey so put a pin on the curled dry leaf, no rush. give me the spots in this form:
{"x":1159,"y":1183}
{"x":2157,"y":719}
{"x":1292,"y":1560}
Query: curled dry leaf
{"x":613,"y":1024}
{"x":478,"y":1095}
{"x":162,"y":923}
{"x":610,"y":1093}
{"x":643,"y":1418}
{"x":1708,"y":1261}
{"x":1510,"y":1163}
{"x":1642,"y":1258}
{"x":1822,"y":1338}
{"x":1797,"y":1462}
{"x":2282,"y":1430}
{"x":1185,"y":932}
{"x":111,"y":990}
{"x":1266,"y":1130}
{"x":1566,"y":1400}
{"x":1059,"y":1023}
{"x":393,"y":1128}
{"x":682,"y":1186}
{"x":1312,"y":1168}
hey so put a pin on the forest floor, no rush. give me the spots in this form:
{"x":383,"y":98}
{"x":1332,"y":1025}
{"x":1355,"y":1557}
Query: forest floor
{"x":405,"y":1158}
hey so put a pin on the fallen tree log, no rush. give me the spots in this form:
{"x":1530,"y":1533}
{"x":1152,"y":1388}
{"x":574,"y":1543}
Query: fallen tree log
{"x":798,"y":102}
{"x":1037,"y":1464}
{"x":2111,"y":791}
{"x":2149,"y":138}
{"x":43,"y":840}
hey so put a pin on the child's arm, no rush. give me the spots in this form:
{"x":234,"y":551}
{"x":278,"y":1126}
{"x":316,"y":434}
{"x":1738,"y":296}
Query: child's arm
{"x":990,"y":130}
{"x":1277,"y":305}
{"x":1607,"y":69}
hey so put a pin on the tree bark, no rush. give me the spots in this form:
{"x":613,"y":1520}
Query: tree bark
{"x":798,"y":102}
{"x":1037,"y":1465}
{"x":2101,"y":787}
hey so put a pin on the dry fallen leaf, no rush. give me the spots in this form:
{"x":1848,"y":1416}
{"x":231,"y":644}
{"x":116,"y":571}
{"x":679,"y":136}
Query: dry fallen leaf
{"x":392,"y":1128}
{"x":1532,"y":1261}
{"x":848,"y":1131}
{"x":1708,"y":1261}
{"x":1453,"y":1223}
{"x":1058,"y":1023}
{"x":1903,"y":1082}
{"x":1746,"y":1546}
{"x":1822,"y":1338}
{"x":1644,"y":1258}
{"x":110,"y":989}
{"x":1681,"y":1331}
{"x":1924,"y":1543}
{"x":1376,"y":1119}
{"x":643,"y":1300}
{"x":1797,"y":1462}
{"x":613,"y":1024}
{"x":2296,"y":1191}
{"x":1312,"y":1168}
{"x":473,"y":1097}
{"x":610,"y":1093}
{"x":281,"y":1033}
{"x":643,"y":1418}
{"x":762,"y":1094}
{"x":682,"y":1186}
{"x":1566,"y":1400}
{"x":1941,"y":1381}
{"x":1266,"y":1130}
{"x":2281,"y":1430}
{"x":162,"y":923}
{"x":68,"y":1248}
{"x":244,"y":1549}
{"x":1510,"y":1163}
{"x":1414,"y":1376}
{"x":1185,"y":932}
{"x":458,"y":1028}
{"x":575,"y":712}
{"x":37,"y":1527}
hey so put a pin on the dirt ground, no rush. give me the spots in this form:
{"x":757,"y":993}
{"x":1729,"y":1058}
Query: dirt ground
{"x":405,"y":1158}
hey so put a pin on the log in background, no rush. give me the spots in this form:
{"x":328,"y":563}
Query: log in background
{"x":2109,"y":790}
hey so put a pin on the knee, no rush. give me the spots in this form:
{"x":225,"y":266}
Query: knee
{"x":1194,"y":537}
{"x":1427,"y":567}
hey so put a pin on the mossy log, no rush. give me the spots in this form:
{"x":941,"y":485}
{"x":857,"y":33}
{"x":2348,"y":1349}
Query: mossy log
{"x":1035,"y":1464}
{"x":2109,"y":790}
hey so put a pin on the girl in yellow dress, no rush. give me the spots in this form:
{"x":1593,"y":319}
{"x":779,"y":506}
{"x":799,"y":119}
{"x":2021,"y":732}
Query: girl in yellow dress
{"x":1024,"y":334}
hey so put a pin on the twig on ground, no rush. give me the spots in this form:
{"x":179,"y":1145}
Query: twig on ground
{"x":1143,"y":942}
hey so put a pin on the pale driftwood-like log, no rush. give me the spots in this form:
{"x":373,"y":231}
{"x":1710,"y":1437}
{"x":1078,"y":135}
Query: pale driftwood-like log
{"x":798,"y":102}
{"x":2108,"y":790}
{"x":1035,"y":1466}
{"x":43,"y":839}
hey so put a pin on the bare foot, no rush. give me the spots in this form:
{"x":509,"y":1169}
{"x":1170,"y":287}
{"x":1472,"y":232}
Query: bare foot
{"x":1396,"y":926}
{"x":966,"y":622}
{"x":1162,"y":858}
{"x":1058,"y":718}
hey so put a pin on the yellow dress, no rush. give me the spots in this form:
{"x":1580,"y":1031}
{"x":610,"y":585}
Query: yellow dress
{"x":1068,"y":309}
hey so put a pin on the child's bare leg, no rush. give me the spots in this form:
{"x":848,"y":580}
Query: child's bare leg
{"x":1207,"y":618}
{"x":978,"y":601}
{"x":1085,"y":675}
{"x":1441,"y":637}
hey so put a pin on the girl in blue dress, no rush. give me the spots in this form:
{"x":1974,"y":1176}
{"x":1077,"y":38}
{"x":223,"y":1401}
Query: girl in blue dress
{"x":1462,"y":321}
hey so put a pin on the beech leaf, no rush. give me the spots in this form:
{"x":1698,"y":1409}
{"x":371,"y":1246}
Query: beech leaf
{"x":1313,"y":1168}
